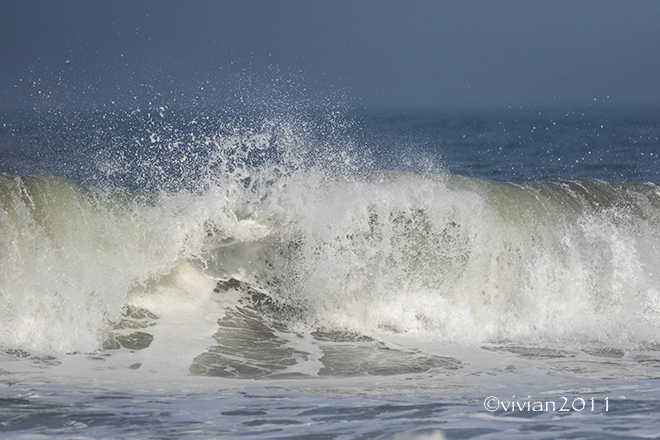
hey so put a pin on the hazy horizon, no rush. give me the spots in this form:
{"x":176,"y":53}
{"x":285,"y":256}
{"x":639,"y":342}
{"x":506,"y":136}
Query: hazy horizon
{"x":372,"y":55}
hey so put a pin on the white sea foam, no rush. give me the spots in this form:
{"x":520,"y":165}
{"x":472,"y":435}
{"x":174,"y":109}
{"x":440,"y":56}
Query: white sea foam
{"x":451,"y":259}
{"x":198,"y":294}
{"x":296,"y":220}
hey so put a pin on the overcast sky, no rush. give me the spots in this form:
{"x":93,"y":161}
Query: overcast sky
{"x":375,"y":54}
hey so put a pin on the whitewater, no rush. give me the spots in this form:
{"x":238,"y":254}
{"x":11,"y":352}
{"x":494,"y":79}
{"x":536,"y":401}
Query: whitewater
{"x":177,"y":274}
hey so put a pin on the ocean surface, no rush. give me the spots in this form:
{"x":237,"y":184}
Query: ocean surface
{"x":306,"y":273}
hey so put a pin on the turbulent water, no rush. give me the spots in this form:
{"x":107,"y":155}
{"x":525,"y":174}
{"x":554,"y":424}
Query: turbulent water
{"x":321,"y":275}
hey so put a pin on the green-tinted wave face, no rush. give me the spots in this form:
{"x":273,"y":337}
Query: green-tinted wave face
{"x":446,"y":257}
{"x":154,"y":212}
{"x":470,"y":260}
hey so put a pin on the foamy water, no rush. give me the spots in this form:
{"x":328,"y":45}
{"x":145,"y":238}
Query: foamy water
{"x":274,"y":274}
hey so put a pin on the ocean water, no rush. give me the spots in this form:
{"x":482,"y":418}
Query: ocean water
{"x":321,"y":274}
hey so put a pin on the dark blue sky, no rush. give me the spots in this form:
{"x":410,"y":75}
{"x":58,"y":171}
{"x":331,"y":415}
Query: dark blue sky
{"x":375,"y":54}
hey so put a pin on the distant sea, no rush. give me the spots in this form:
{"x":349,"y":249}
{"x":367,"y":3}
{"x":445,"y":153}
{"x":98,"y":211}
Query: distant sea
{"x":325,"y":274}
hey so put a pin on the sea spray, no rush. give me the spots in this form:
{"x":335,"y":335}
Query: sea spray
{"x":293,"y":208}
{"x":142,"y":195}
